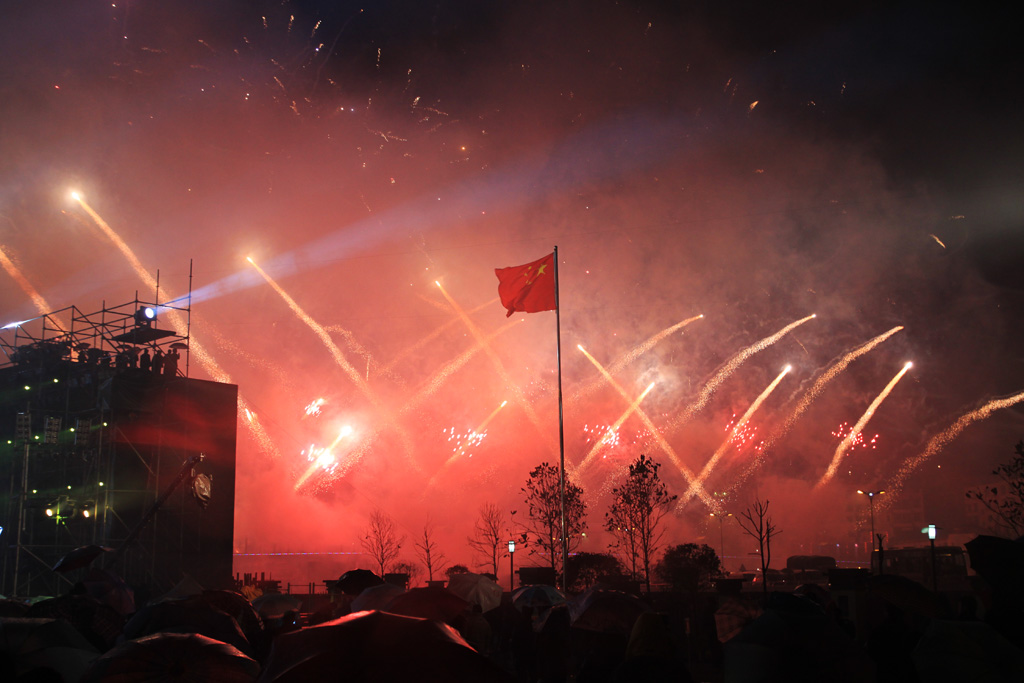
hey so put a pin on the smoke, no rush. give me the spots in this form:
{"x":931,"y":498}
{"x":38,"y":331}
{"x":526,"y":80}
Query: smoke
{"x":362,"y":158}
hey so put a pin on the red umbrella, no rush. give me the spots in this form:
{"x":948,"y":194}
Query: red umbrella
{"x":367,"y":647}
{"x":439,"y":604}
{"x":173,"y":657}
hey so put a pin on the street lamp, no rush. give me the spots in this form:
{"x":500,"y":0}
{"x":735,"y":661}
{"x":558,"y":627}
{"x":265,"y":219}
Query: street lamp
{"x":511,"y":567}
{"x":721,"y":532}
{"x":871,"y":506}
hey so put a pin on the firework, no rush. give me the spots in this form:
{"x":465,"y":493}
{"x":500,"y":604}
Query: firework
{"x":668,"y":450}
{"x":830,"y":373}
{"x":618,"y":423}
{"x":692,"y":491}
{"x":37,"y":299}
{"x":941,"y":440}
{"x":846,"y":443}
{"x":627,"y":358}
{"x":471,"y":439}
{"x":730,"y":366}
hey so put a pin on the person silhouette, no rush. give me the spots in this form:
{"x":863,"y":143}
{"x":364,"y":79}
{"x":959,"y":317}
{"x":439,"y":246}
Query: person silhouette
{"x":158,"y":362}
{"x":145,"y":361}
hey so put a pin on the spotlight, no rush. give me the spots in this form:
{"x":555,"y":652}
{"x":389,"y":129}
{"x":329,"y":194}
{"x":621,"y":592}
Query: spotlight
{"x":145,"y":315}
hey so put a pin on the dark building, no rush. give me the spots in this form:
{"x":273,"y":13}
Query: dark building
{"x":103,"y":452}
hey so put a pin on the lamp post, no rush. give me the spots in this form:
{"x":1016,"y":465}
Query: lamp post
{"x":721,"y":532}
{"x":511,"y":567}
{"x":871,"y":506}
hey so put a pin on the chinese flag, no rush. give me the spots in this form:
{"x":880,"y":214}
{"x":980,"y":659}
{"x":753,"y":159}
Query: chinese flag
{"x":528,"y":288}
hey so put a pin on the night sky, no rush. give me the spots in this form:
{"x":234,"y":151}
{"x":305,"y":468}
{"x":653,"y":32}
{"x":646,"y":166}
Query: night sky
{"x":752,"y":162}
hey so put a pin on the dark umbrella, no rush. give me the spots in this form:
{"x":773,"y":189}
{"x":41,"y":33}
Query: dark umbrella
{"x":80,"y":557}
{"x":908,"y":595}
{"x":355,"y":581}
{"x":99,"y":623}
{"x":476,"y":589}
{"x":274,"y":605}
{"x":110,"y":589}
{"x":235,"y":604}
{"x":191,"y":615}
{"x":173,"y":657}
{"x":34,"y":645}
{"x":439,"y":604}
{"x":999,"y":561}
{"x":607,"y":611}
{"x":537,"y":596}
{"x":10,"y":607}
{"x":376,"y":597}
{"x":377,"y":646}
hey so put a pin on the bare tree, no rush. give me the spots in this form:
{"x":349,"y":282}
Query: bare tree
{"x":544,"y":513}
{"x":760,"y":526}
{"x":1006,"y":500}
{"x":382,"y":541}
{"x":428,"y":552}
{"x":489,"y":536}
{"x":634,"y":517}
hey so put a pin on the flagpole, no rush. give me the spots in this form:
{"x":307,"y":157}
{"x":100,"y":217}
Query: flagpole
{"x":561,"y":432}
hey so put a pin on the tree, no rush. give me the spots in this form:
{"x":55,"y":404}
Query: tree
{"x":689,"y":566}
{"x":759,"y":526}
{"x":489,"y":536}
{"x":544,"y":513}
{"x":634,"y":518}
{"x":428,"y":552}
{"x":382,"y":541}
{"x":586,"y":569}
{"x":456,"y":569}
{"x":1006,"y":500}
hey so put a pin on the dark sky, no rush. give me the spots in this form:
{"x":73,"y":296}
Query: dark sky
{"x":754,"y":162}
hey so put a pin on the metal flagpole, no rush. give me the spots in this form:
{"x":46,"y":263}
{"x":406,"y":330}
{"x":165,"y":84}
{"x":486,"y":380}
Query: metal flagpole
{"x":561,"y":432}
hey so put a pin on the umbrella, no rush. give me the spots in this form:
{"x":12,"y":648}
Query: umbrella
{"x":191,"y":615}
{"x":99,"y":623}
{"x":966,"y":651}
{"x":110,"y":589}
{"x":80,"y":557}
{"x":376,"y":646}
{"x":34,"y":645}
{"x":908,"y":595}
{"x":235,"y":604}
{"x":606,"y":610}
{"x":10,"y":607}
{"x":274,"y":605}
{"x":173,"y":657}
{"x":439,"y":604}
{"x":476,"y":589}
{"x":355,"y":581}
{"x":376,"y":597}
{"x":537,"y":596}
{"x":999,"y":561}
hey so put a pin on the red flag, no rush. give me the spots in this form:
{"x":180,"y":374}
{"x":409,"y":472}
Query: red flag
{"x":528,"y":288}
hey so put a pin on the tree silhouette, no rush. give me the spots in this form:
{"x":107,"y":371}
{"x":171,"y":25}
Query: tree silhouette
{"x":382,"y":541}
{"x":634,"y":517}
{"x":1006,"y":500}
{"x":488,"y":537}
{"x":689,"y":566}
{"x":544,"y":513}
{"x":760,"y":526}
{"x":428,"y":552}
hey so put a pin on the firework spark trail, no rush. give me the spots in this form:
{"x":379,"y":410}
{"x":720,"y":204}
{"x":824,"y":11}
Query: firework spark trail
{"x":629,"y":357}
{"x":941,"y":440}
{"x":611,"y":430}
{"x":355,"y":347}
{"x":737,"y":428}
{"x":517,"y":393}
{"x":37,"y":299}
{"x":845,"y":444}
{"x":668,"y":450}
{"x":462,"y":448}
{"x":729,"y":367}
{"x":196,"y":349}
{"x":434,"y":334}
{"x":340,"y":359}
{"x":431,"y":387}
{"x":831,"y":372}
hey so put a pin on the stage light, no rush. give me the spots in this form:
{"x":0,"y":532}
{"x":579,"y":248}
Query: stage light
{"x":145,"y":315}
